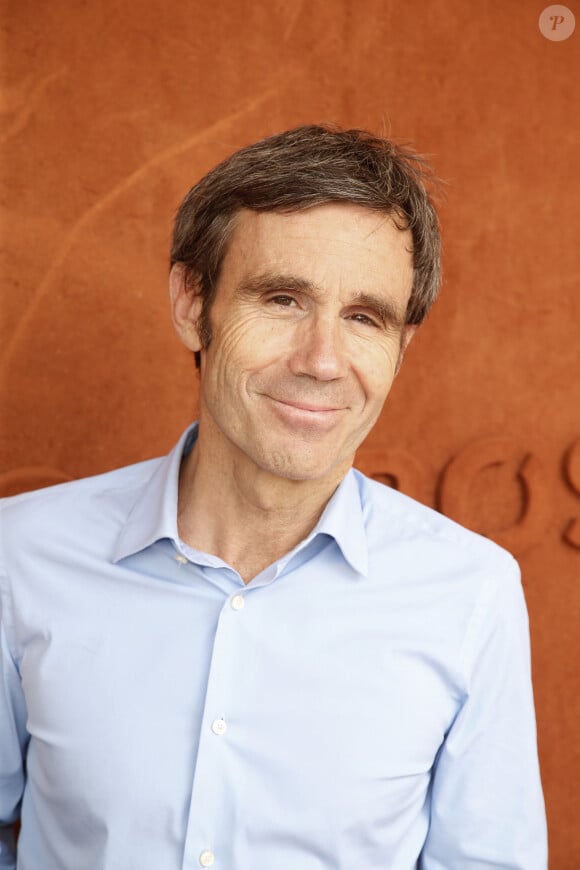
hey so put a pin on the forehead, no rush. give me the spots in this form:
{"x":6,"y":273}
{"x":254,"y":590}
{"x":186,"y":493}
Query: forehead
{"x":340,"y":241}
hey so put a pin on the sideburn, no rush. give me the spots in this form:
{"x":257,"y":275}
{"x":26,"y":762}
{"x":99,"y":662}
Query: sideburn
{"x":204,"y":324}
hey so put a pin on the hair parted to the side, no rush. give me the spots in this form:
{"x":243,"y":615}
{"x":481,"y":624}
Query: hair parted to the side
{"x":295,"y":170}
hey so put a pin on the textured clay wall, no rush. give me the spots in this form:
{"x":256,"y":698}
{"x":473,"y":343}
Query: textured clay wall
{"x":111,"y":110}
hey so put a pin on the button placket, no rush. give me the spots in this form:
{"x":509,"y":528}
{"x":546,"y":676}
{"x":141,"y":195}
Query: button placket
{"x":209,"y":791}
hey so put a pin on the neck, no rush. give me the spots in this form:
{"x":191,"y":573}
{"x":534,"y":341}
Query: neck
{"x":244,"y":515}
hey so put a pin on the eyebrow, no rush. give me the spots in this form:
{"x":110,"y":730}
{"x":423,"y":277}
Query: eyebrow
{"x":271,"y":282}
{"x":385,"y":309}
{"x":268,"y":282}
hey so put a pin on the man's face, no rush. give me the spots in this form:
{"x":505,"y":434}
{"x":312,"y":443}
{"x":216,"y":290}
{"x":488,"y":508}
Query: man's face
{"x":307,"y":333}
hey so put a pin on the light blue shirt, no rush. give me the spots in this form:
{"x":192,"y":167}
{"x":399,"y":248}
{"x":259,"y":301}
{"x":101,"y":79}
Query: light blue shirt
{"x":365,"y":702}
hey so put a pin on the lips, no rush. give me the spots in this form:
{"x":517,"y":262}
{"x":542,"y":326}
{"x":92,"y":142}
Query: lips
{"x":308,"y":406}
{"x":306,"y":417}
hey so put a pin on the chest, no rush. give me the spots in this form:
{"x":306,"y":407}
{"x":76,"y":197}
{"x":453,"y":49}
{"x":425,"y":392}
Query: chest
{"x":359,"y":690}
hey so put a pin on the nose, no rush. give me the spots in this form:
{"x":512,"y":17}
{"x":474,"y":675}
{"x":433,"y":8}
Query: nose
{"x":319,"y":350}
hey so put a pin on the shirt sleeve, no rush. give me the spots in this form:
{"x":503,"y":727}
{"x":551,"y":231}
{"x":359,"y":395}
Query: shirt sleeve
{"x":487,"y":808}
{"x":12,"y":742}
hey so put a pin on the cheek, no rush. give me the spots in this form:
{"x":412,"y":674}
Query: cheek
{"x":242,"y":346}
{"x":376,"y":370}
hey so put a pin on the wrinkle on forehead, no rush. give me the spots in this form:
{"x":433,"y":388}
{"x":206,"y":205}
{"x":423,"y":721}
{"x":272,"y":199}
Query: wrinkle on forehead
{"x":365,"y":251}
{"x":350,"y":214}
{"x":384,"y":218}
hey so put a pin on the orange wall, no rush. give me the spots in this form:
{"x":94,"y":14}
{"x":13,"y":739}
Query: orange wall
{"x":111,"y":110}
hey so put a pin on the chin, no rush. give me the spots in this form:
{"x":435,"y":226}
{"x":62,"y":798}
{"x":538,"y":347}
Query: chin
{"x":299,"y":468}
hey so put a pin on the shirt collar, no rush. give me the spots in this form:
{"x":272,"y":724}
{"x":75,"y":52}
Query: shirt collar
{"x":343,"y":520}
{"x":154,"y":514}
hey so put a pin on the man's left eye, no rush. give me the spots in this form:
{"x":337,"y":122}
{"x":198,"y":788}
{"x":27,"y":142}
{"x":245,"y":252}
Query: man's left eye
{"x":364,"y":319}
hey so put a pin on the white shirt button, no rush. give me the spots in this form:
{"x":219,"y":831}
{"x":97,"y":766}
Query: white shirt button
{"x":219,"y":726}
{"x":238,"y":602}
{"x":181,"y":559}
{"x":206,"y":858}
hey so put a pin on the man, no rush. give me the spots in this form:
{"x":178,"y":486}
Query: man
{"x":246,"y":654}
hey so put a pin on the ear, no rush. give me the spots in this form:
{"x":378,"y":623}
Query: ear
{"x":186,"y":304}
{"x":408,"y":332}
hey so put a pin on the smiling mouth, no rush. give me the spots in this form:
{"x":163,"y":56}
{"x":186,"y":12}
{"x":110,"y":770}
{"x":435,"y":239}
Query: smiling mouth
{"x":306,"y":416}
{"x":307,"y":406}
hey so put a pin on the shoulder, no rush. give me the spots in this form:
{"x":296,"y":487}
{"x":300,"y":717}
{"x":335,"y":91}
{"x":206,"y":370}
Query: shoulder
{"x":392,"y":518}
{"x":67,"y":505}
{"x":458,"y":586}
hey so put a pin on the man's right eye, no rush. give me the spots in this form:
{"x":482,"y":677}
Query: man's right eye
{"x":282,"y":299}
